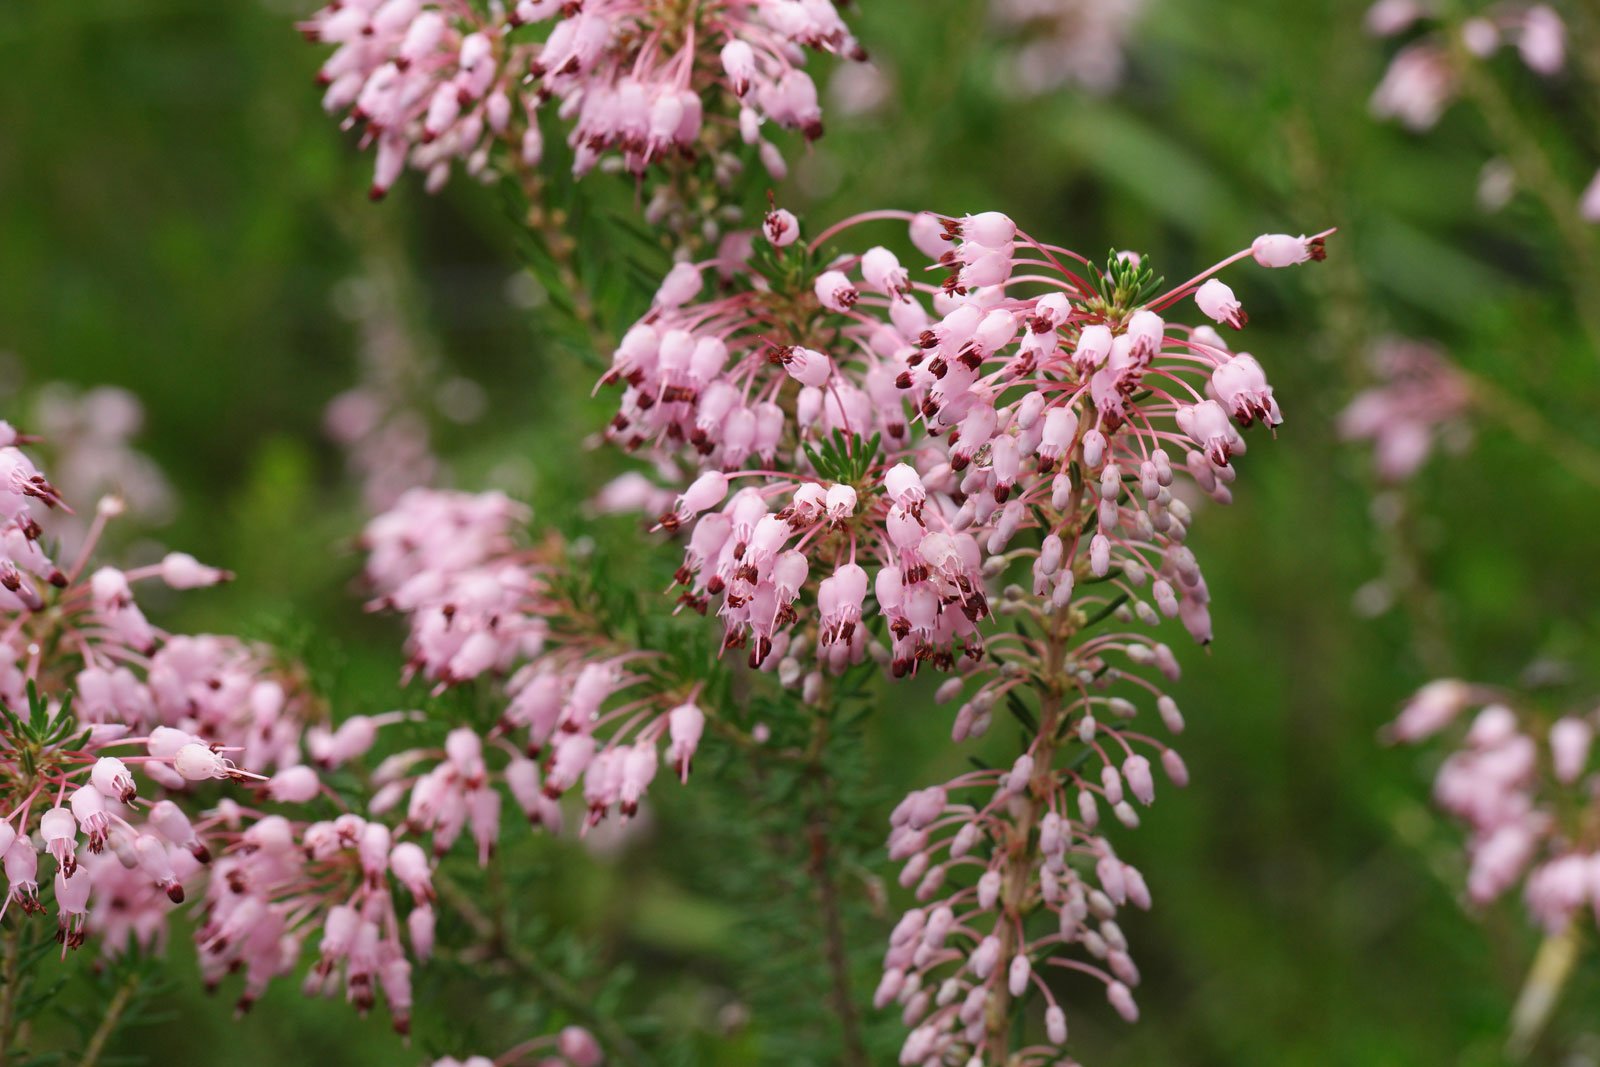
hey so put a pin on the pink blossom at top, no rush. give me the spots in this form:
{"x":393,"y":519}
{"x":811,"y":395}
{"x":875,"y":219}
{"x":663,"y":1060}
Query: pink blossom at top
{"x":444,"y":81}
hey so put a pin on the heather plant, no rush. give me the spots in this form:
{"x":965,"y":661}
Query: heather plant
{"x":706,"y":591}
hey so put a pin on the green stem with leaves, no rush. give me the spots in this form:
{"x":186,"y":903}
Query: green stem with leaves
{"x":619,"y":1047}
{"x":820,"y":867}
{"x":109,"y":1022}
{"x":10,"y":987}
{"x":1017,"y":870}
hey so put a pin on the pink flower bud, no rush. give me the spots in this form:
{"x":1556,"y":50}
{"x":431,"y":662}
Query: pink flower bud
{"x":881,"y":270}
{"x":1018,"y":974}
{"x":579,"y":1046}
{"x":1570,"y":739}
{"x":685,"y":723}
{"x":681,"y":285}
{"x":1281,"y":250}
{"x":182,"y":571}
{"x":1122,"y":1000}
{"x":1136,"y":769}
{"x":927,"y":234}
{"x":807,"y":366}
{"x":1217,"y":301}
{"x":739,"y":63}
{"x":293,"y":785}
{"x":1055,"y":1024}
{"x":196,"y":763}
{"x":110,"y":776}
{"x":991,"y":229}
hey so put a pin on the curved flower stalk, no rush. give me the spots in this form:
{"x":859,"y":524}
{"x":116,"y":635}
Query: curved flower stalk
{"x":1062,"y":43}
{"x":1029,"y":416}
{"x":573,"y":1046}
{"x":657,"y":84}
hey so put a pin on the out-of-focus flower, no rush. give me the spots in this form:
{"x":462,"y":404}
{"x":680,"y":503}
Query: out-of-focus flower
{"x":88,"y":441}
{"x":430,"y":83}
{"x":1422,"y":80}
{"x":1524,"y":786}
{"x":1419,"y":397}
{"x":1065,"y":43}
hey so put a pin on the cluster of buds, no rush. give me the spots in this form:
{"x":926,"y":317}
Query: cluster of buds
{"x":109,"y":726}
{"x":1013,"y":877}
{"x":572,"y":1046}
{"x":1025,"y":415}
{"x":581,"y":707}
{"x":1420,"y":397}
{"x":1423,"y":79}
{"x":277,"y":882}
{"x":992,"y":408}
{"x":1523,"y":785}
{"x":430,"y":82}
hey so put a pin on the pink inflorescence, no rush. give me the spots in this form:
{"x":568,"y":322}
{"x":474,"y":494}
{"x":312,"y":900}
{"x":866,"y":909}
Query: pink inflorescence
{"x":581,"y":707}
{"x":1423,"y":78}
{"x":104,"y":708}
{"x":871,"y":454}
{"x":1420,"y":397}
{"x":436,"y":81}
{"x":1066,"y":42}
{"x":1523,"y":784}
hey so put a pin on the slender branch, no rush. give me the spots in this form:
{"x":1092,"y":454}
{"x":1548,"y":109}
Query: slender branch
{"x":1536,"y":172}
{"x":1527,"y":423}
{"x":618,"y":1045}
{"x":108,"y":1025}
{"x":10,"y":986}
{"x":1017,"y":871}
{"x":819,"y":866}
{"x":1552,"y":967}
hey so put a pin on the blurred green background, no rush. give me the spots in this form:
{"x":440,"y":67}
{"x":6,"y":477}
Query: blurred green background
{"x":178,"y":217}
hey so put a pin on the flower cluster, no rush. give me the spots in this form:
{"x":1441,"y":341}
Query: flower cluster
{"x":1423,"y":80}
{"x":110,"y":724}
{"x":581,"y":706}
{"x":1066,"y":42}
{"x":1523,"y":785}
{"x":436,"y":81}
{"x":815,"y":383}
{"x":1420,"y":397}
{"x":875,"y":453}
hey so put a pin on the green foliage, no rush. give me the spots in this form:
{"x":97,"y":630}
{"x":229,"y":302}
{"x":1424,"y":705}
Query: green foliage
{"x":1126,"y":284}
{"x":844,"y":457}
